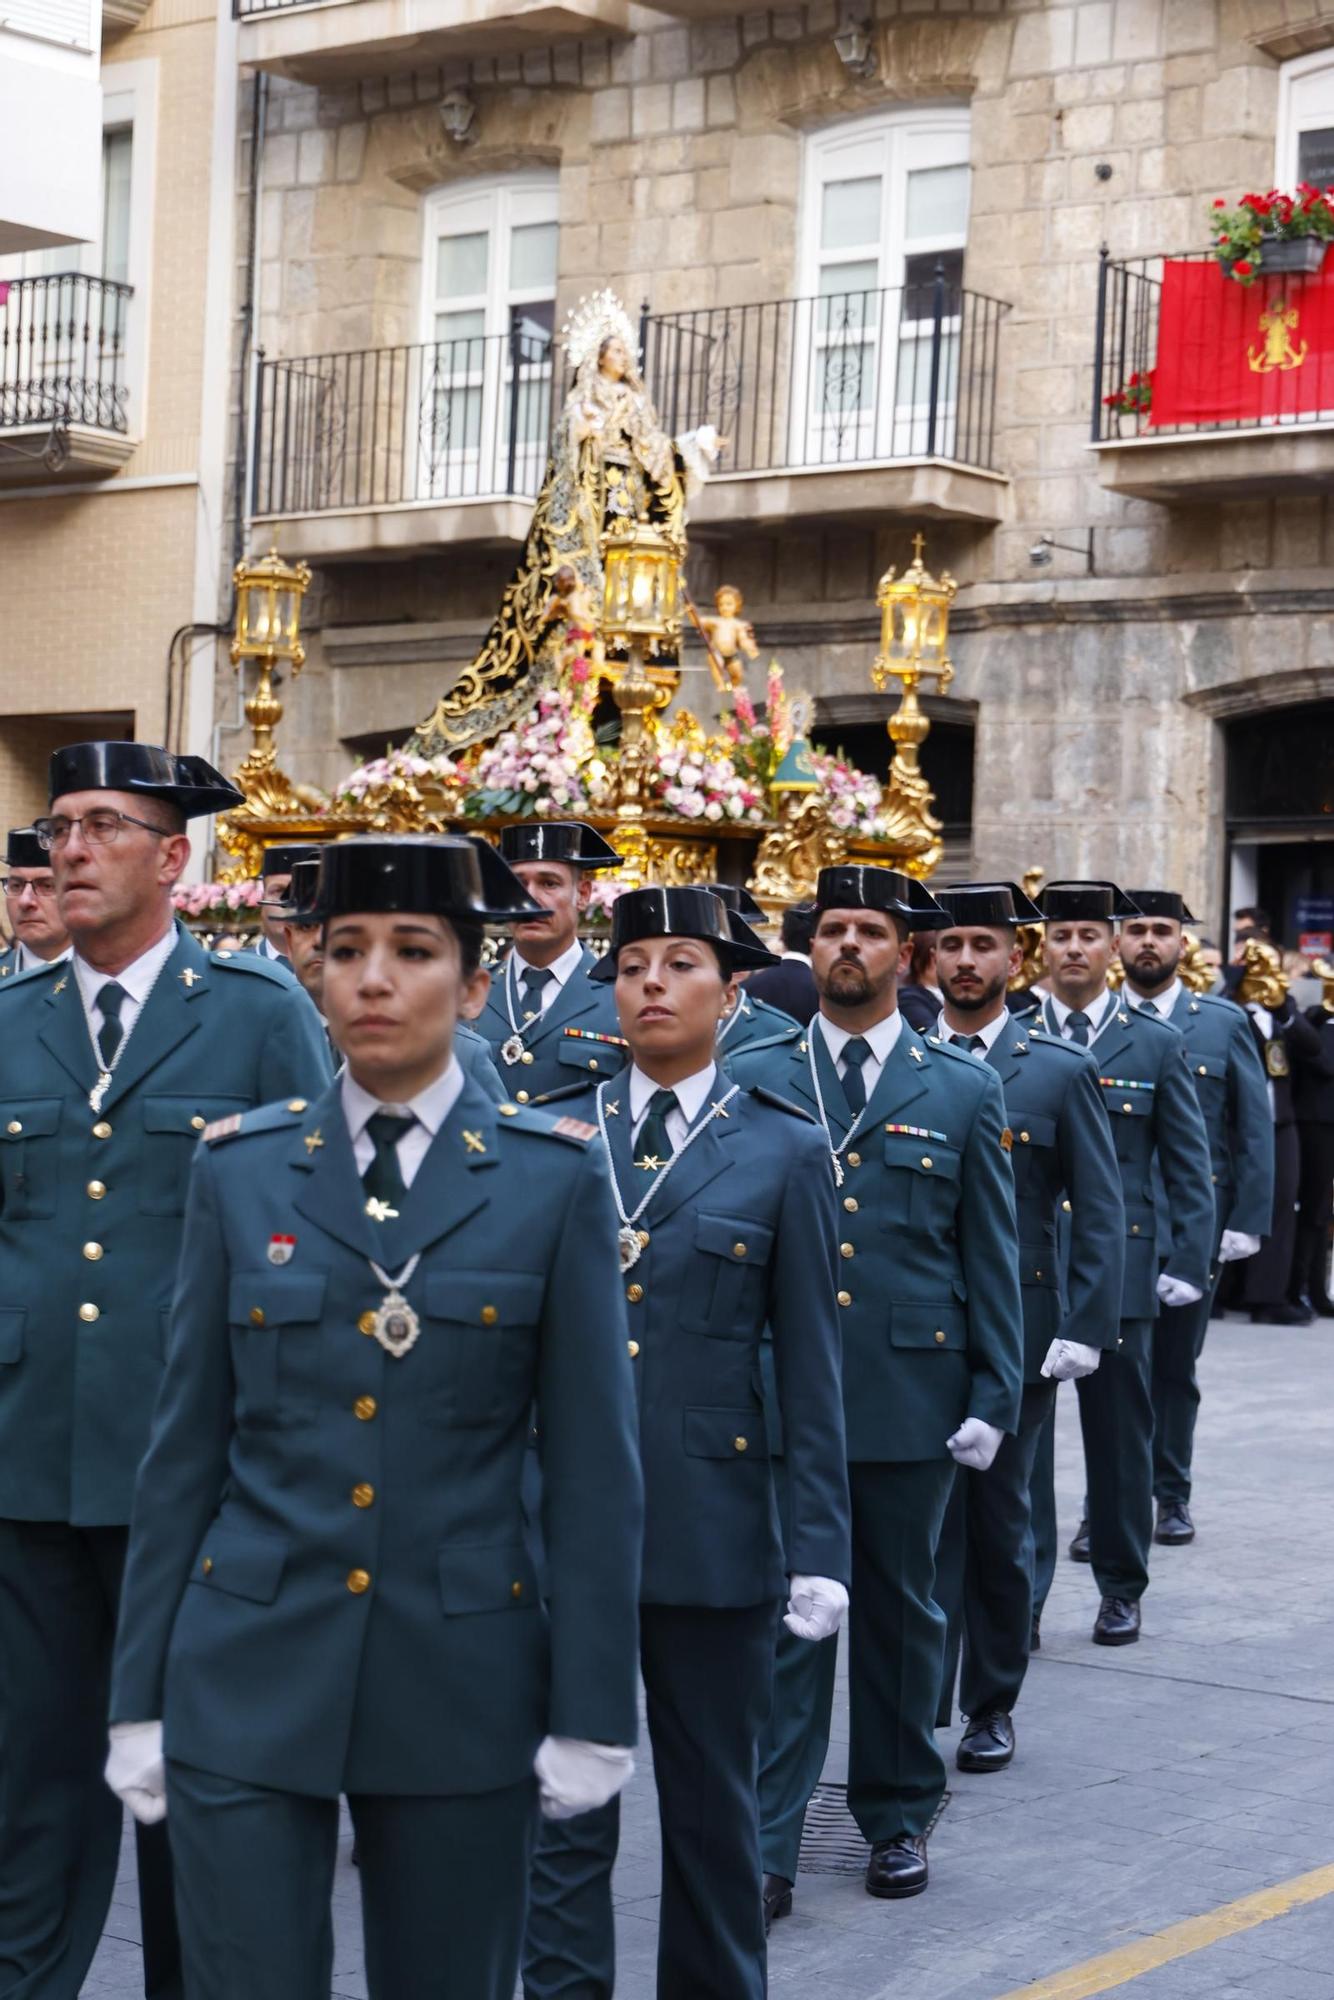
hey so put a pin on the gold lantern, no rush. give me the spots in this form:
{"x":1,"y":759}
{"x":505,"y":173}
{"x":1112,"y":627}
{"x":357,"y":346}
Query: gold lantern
{"x":640,"y":604}
{"x":914,"y":637}
{"x":268,"y":631}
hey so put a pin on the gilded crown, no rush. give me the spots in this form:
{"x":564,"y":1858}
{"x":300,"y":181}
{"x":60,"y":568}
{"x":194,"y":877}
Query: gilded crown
{"x":593,"y":321}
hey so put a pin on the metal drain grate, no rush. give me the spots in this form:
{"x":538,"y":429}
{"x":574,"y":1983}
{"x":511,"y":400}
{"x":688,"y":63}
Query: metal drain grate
{"x":832,"y":1843}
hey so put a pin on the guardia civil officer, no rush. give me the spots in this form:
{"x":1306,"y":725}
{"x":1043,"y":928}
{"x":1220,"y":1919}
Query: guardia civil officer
{"x":751,"y":1019}
{"x":1162,"y":1151}
{"x":1230,"y":1085}
{"x":552,"y":1033}
{"x":39,"y":936}
{"x":275,"y":869}
{"x":1064,"y":1168}
{"x":932,"y":1363}
{"x":328,"y":1589}
{"x":727,"y":1224}
{"x":110,"y":1067}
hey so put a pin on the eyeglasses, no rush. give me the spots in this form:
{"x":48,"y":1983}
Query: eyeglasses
{"x":14,"y":889}
{"x":100,"y":828}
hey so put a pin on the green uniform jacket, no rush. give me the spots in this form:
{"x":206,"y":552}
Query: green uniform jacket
{"x":570,"y":1048}
{"x":91,"y":1205}
{"x":9,"y":961}
{"x":750,"y":1023}
{"x":928,"y":1269}
{"x":1233,"y":1091}
{"x":1162,"y":1150}
{"x":475,"y":1060}
{"x":1064,"y":1168}
{"x":327,"y":1586}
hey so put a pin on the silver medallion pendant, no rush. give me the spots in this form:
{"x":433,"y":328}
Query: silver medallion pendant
{"x":396,"y":1324}
{"x":630,"y":1246}
{"x":512,"y":1050}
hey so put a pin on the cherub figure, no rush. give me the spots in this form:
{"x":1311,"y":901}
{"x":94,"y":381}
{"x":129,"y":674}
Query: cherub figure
{"x":727,"y":634}
{"x":570,"y":605}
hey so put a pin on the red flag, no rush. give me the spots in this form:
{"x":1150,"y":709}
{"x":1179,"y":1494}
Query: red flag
{"x":1242,"y":354}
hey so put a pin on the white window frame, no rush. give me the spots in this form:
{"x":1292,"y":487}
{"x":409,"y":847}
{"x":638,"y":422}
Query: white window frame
{"x":498,"y":204}
{"x":908,"y":140}
{"x":130,"y":97}
{"x":1297,"y":110}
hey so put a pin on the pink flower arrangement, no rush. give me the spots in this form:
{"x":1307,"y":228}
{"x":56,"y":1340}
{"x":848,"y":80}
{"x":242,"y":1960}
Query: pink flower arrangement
{"x":209,"y":899}
{"x":379,"y":772}
{"x":702,"y":784}
{"x":544,"y":767}
{"x":853,"y":797}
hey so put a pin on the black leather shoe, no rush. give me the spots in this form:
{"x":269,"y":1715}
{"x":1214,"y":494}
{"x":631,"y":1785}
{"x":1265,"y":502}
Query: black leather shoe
{"x":1281,"y":1313}
{"x":1322,"y":1305}
{"x":777,"y":1899}
{"x":1079,"y":1547}
{"x":1118,"y":1622}
{"x":897,"y":1867}
{"x":1174,"y":1524}
{"x":988,"y":1744}
{"x":1035,"y":1634}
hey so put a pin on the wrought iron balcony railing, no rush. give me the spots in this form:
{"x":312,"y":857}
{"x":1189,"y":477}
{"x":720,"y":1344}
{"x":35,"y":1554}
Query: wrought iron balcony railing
{"x":62,"y":352}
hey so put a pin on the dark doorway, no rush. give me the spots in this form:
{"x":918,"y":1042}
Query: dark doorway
{"x":1280,"y":818}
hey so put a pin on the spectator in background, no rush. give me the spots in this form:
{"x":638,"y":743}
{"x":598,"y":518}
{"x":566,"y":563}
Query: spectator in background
{"x":920,"y":999}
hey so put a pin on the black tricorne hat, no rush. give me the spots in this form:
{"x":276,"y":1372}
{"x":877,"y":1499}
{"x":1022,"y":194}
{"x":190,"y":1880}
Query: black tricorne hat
{"x":432,"y":874}
{"x":738,"y":899}
{"x":301,"y":903}
{"x":692,"y":913}
{"x":1160,"y":903}
{"x":1085,"y":902}
{"x":567,"y":840}
{"x":188,"y":783}
{"x":498,"y":878}
{"x":282,"y":860}
{"x":24,"y":850}
{"x":967,"y":903}
{"x":853,"y":886}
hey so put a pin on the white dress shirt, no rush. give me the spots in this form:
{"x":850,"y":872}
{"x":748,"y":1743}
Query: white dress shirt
{"x":561,"y":969}
{"x":882,"y":1038}
{"x":1162,"y":1003}
{"x":692,"y":1093}
{"x":28,"y":961}
{"x":429,"y":1109}
{"x":990,"y":1031}
{"x":138,"y":981}
{"x":1099,"y":1011}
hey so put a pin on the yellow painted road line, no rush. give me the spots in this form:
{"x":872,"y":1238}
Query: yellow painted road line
{"x":1132,"y":1961}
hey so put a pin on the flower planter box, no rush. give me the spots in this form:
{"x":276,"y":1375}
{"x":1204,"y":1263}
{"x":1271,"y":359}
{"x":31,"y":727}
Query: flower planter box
{"x":1283,"y":255}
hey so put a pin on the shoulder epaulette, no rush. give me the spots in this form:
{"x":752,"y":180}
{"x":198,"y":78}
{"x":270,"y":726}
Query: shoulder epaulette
{"x":782,"y":1038}
{"x":772,"y":1098}
{"x":1149,"y":1020}
{"x":527,"y":1118}
{"x":1220,"y":1001}
{"x":250,"y":961}
{"x":1048,"y":1041}
{"x":264,"y":1118}
{"x":14,"y":980}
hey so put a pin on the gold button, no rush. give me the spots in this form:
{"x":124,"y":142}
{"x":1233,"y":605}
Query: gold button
{"x":738,"y":1249}
{"x":592,"y":1062}
{"x":507,"y":1111}
{"x":297,"y":1104}
{"x":632,"y":1348}
{"x":366,"y":1324}
{"x":927,"y":1160}
{"x":1037,"y":1274}
{"x":256,"y":1315}
{"x":854,"y":1159}
{"x":358,"y":1581}
{"x":644,"y":1239}
{"x":489,"y":1315}
{"x":89,"y":1313}
{"x":95,"y":1190}
{"x":1023,"y":1138}
{"x":197,"y":1123}
{"x":15,"y":1125}
{"x":846,"y":1250}
{"x":207,"y":1565}
{"x":1127,"y":1107}
{"x":522,"y":1096}
{"x":101,"y":1130}
{"x":1202,"y":1070}
{"x":940,"y":1336}
{"x":365,"y":1408}
{"x":1066,"y":1206}
{"x":516,"y":1590}
{"x":92,"y":1251}
{"x":850,"y":1203}
{"x":845,"y":1298}
{"x":1134,"y":1229}
{"x":527,"y":1056}
{"x":740,"y":1444}
{"x":634,"y":1293}
{"x":363,"y":1495}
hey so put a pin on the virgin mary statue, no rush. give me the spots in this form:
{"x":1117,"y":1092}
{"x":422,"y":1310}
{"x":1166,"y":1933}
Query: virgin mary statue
{"x":609,"y":456}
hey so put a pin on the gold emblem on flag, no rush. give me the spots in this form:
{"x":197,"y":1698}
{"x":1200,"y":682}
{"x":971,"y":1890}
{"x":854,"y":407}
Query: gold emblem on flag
{"x":1278,"y":323}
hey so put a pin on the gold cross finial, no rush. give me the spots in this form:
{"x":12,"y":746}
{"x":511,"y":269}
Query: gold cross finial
{"x":313,"y":1140}
{"x":473,"y":1142}
{"x":918,"y":544}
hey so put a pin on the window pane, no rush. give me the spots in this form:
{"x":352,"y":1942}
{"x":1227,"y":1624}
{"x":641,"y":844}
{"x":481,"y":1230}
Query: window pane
{"x":1315,"y":157}
{"x":919,"y":282}
{"x":937,"y":202}
{"x":461,"y":265}
{"x":116,"y":152}
{"x":533,"y":257}
{"x":462,"y":331}
{"x":850,"y":213}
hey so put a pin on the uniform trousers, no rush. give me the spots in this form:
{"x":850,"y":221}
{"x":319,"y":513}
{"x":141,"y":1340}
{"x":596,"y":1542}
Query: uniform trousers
{"x":1116,"y":1417}
{"x":1042,"y":1496}
{"x":1178,"y":1342}
{"x":706,"y":1687}
{"x":443,"y":1885}
{"x":984,"y":1569}
{"x":896,"y":1645}
{"x":1315,"y":1210}
{"x":60,"y":1827}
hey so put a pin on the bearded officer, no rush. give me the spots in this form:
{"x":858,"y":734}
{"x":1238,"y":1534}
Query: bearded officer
{"x":110,"y":1067}
{"x":1064,"y":1169}
{"x":1233,"y":1095}
{"x":328,"y":1590}
{"x":35,"y":923}
{"x":552,"y":1032}
{"x":932,"y":1364}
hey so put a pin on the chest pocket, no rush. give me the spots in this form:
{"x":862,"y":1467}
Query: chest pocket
{"x":172,"y":1126}
{"x":1130,"y":1112}
{"x":29,"y":1156}
{"x":476,"y":1361}
{"x":589,"y":1058}
{"x":1033,"y":1143}
{"x":922,"y":1184}
{"x":1210,"y":1074}
{"x":726,"y":1280}
{"x":277,"y":1324}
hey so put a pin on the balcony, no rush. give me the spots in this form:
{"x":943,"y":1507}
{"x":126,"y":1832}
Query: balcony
{"x":1205,"y":389}
{"x":340,"y":41}
{"x":838,"y":408}
{"x":63,"y":397}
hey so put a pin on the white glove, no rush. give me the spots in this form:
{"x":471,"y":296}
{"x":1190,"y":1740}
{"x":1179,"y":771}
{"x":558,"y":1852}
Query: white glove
{"x":974,"y":1444}
{"x":135,"y":1770}
{"x":575,"y":1777}
{"x":816,"y":1607}
{"x":1176,"y":1292}
{"x":1068,"y":1360}
{"x":1236,"y":1244}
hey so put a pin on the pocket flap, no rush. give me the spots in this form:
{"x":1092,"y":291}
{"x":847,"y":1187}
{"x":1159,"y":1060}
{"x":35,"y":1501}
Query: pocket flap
{"x":275,"y":1298}
{"x":28,"y":1118}
{"x":927,"y":1157}
{"x":11,"y":1332}
{"x":189,"y":1115}
{"x":486,"y":1298}
{"x":488,"y":1576}
{"x":725,"y":1434}
{"x":928,"y":1326}
{"x":1126,"y":1100}
{"x":735,"y":1237}
{"x":598,"y":1058}
{"x":1035,"y":1131}
{"x":1207,"y":1066}
{"x":242,"y":1565}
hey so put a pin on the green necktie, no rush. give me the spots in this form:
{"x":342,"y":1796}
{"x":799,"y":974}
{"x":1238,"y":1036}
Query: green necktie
{"x":1079,"y":1025}
{"x":855,"y":1053}
{"x":110,"y":999}
{"x":970,"y":1042}
{"x":532,"y":985}
{"x":653,"y":1148}
{"x":1147,"y":1007}
{"x":383,"y":1179}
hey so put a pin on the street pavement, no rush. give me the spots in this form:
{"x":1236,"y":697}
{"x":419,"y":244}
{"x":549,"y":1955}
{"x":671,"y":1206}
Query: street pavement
{"x":1152,"y":1783}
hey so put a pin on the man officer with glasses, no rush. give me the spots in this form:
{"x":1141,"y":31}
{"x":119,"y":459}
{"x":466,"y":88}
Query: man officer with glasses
{"x":40,"y":938}
{"x":111,"y":1066}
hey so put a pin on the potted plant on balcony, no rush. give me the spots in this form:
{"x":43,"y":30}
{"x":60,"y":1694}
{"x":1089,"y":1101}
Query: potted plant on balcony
{"x":1133,"y":400}
{"x":1274,"y":232}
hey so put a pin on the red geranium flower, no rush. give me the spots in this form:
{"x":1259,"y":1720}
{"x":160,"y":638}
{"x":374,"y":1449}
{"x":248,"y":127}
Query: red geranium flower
{"x":1243,"y":268}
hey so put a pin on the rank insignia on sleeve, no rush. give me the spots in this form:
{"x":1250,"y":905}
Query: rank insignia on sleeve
{"x":1007,"y":1140}
{"x":281,"y":1248}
